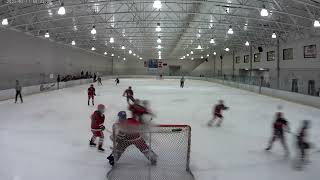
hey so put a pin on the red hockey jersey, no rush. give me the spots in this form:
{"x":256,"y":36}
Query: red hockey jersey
{"x":218,"y":109}
{"x":91,"y":91}
{"x":137,"y":110}
{"x":97,"y":120}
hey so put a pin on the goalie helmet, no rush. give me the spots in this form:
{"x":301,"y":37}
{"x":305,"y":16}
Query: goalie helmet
{"x":122,"y":115}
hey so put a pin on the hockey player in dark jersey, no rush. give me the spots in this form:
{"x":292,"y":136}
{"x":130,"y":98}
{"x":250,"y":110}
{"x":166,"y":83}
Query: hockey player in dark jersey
{"x":129,"y":94}
{"x":128,"y":135}
{"x":279,"y":126}
{"x":91,"y":94}
{"x":217,"y":113}
{"x":117,"y":81}
{"x":302,"y":142}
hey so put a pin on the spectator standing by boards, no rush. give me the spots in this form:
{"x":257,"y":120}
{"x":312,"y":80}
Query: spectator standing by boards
{"x":18,"y":91}
{"x":94,"y":77}
{"x":117,"y":81}
{"x":99,"y":81}
{"x":58,"y":81}
{"x":182,"y":82}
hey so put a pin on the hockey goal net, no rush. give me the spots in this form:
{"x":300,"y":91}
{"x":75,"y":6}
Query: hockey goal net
{"x":160,"y":152}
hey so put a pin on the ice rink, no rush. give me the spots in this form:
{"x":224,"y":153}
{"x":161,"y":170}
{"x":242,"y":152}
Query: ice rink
{"x":46,"y":138}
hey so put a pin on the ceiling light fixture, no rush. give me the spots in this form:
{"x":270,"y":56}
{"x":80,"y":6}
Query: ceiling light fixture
{"x":159,"y":46}
{"x":247,"y":43}
{"x":230,"y":31}
{"x":50,"y":12}
{"x":212,"y":41}
{"x":73,"y":43}
{"x":316,"y":23}
{"x":130,"y":52}
{"x":158,"y":28}
{"x":47,"y":35}
{"x":227,"y":49}
{"x":93,"y":48}
{"x":5,"y":22}
{"x":214,"y":53}
{"x":111,"y":40}
{"x":264,"y":12}
{"x":274,"y":35}
{"x":105,"y":53}
{"x":199,"y":47}
{"x":157,"y":4}
{"x":191,"y":52}
{"x":62,"y":10}
{"x":93,"y":30}
{"x":159,"y":40}
{"x":122,"y":47}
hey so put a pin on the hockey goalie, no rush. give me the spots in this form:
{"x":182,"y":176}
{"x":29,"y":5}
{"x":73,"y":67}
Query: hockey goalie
{"x":129,"y":133}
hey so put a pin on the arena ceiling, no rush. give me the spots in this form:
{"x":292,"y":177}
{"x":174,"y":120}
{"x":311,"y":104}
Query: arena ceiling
{"x":185,"y":24}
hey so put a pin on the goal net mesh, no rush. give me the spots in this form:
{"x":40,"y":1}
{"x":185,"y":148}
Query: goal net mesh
{"x":160,"y":152}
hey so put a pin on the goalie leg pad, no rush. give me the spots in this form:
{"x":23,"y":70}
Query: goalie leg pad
{"x":152,"y":156}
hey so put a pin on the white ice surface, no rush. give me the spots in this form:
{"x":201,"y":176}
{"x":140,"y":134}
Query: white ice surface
{"x":46,"y":138}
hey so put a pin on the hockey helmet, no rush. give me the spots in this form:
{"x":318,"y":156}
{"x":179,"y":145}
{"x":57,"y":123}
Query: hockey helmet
{"x":279,"y":115}
{"x":122,"y":115}
{"x":306,"y":123}
{"x":137,"y":101}
{"x":91,"y":85}
{"x":145,"y":103}
{"x":101,"y":108}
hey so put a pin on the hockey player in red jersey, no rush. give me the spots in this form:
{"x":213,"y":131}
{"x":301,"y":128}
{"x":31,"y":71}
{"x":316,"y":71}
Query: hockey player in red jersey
{"x":279,"y":126}
{"x":97,"y":127}
{"x":302,"y":142}
{"x":129,"y":94}
{"x":217,"y":113}
{"x":91,"y":94}
{"x":129,"y":135}
{"x":138,"y":110}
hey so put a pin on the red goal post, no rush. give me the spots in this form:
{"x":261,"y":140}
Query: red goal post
{"x":170,"y":146}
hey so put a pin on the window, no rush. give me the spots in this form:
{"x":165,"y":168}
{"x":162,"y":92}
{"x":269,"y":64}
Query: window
{"x":237,"y":59}
{"x":311,"y":88}
{"x":310,"y":51}
{"x":246,"y":58}
{"x":257,"y":57}
{"x":288,"y":54}
{"x":271,"y":56}
{"x":294,"y":85}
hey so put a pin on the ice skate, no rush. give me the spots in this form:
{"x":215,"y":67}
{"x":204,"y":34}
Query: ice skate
{"x":100,"y":148}
{"x":111,"y":160}
{"x":92,"y":144}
